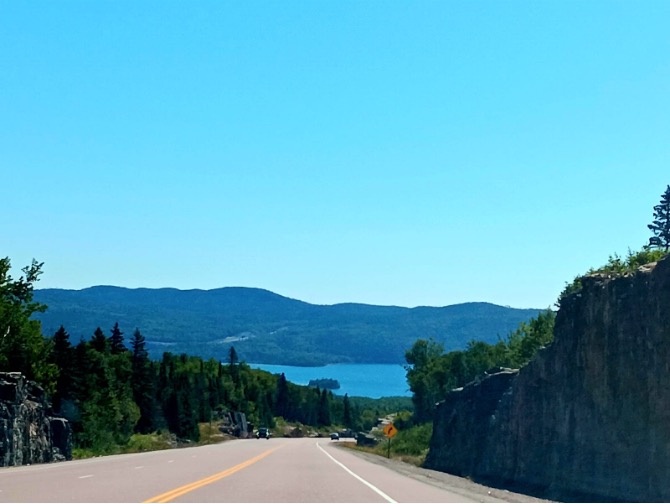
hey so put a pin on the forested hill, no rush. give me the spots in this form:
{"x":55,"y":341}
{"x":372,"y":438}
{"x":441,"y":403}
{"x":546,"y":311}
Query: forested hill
{"x":269,"y":328}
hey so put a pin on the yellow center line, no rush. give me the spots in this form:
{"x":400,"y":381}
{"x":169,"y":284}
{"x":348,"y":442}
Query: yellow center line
{"x":178,"y":492}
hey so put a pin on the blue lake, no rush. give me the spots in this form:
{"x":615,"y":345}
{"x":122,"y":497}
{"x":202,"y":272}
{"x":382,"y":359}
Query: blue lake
{"x":365,"y":380}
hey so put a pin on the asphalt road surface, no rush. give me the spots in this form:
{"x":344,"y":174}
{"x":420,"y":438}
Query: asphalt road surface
{"x":254,"y":470}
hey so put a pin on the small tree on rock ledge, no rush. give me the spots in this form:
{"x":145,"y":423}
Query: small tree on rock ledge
{"x":661,"y":224}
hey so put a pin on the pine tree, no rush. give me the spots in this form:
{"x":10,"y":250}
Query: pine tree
{"x":116,"y":341}
{"x":142,"y":383}
{"x":347,"y":419}
{"x":97,"y":408}
{"x":63,"y":357}
{"x":323,"y":415}
{"x":233,"y":359}
{"x":79,"y":383}
{"x":233,"y":367}
{"x":186,"y":411}
{"x":282,"y":401}
{"x":99,"y":341}
{"x":660,"y":227}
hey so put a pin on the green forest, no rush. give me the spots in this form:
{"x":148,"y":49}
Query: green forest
{"x":432,"y":373}
{"x":268,"y":328}
{"x":111,"y":391}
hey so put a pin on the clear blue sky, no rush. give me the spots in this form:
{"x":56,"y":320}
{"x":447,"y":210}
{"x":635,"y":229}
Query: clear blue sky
{"x":405,"y":153}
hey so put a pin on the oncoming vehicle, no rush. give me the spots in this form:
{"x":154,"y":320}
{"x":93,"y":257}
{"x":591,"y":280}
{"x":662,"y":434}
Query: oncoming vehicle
{"x":334,"y":436}
{"x":263,"y":432}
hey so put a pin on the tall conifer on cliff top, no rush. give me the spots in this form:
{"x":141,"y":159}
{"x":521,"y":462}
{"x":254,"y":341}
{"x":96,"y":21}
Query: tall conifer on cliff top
{"x":661,"y":224}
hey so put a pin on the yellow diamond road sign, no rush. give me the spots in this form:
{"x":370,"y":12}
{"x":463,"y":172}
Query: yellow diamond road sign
{"x":390,"y":430}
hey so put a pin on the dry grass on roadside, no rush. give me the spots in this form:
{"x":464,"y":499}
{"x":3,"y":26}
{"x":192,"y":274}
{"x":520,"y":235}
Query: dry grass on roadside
{"x":381,"y":450}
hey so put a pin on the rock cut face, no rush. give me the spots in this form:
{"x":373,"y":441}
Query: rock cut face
{"x":28,"y":435}
{"x":589,"y":417}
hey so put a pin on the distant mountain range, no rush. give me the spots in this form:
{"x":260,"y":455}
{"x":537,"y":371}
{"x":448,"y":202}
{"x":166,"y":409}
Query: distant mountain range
{"x":265,"y":327}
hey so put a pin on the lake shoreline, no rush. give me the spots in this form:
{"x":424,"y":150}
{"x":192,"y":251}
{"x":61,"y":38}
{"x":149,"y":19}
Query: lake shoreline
{"x":356,"y":380}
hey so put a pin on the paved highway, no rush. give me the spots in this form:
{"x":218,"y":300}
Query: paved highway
{"x":275,"y":470}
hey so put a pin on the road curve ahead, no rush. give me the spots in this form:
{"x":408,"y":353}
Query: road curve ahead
{"x":255,"y":470}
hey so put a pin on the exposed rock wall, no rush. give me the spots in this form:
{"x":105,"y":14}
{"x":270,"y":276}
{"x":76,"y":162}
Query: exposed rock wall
{"x":28,"y":435}
{"x":589,"y":417}
{"x":461,"y":427}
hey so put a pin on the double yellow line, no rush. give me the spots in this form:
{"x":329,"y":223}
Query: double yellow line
{"x":178,"y":492}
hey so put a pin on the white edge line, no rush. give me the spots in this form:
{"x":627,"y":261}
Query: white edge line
{"x":87,"y":476}
{"x":366,"y":483}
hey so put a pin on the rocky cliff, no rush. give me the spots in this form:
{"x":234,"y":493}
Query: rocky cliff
{"x":28,"y":435}
{"x":589,"y":417}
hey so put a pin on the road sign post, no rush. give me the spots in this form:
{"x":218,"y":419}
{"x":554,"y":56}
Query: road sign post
{"x":390,"y":431}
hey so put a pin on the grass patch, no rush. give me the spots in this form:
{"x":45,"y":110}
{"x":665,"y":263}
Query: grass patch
{"x":149,"y":442}
{"x":209,"y":434}
{"x":409,"y":445}
{"x":83,"y":453}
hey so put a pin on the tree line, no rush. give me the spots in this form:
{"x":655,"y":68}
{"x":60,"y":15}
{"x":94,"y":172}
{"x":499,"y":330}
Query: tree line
{"x":109,"y":390}
{"x":431,"y":373}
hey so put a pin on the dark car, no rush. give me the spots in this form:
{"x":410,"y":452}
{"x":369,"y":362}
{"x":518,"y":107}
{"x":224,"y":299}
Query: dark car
{"x":334,"y":436}
{"x":263,"y":432}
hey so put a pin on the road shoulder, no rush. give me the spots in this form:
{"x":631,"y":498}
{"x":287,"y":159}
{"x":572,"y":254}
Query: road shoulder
{"x":462,"y":486}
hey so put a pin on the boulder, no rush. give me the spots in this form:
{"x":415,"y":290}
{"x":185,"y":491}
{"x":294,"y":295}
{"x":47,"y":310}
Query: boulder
{"x":363,"y":439}
{"x":28,"y":434}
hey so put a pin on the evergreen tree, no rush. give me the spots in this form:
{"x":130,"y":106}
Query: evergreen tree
{"x":184,"y":413}
{"x":282,"y":401}
{"x":120,"y":386}
{"x":266,"y":416}
{"x":188,"y":420}
{"x":116,"y":345}
{"x":80,"y":384}
{"x":99,"y":341}
{"x":214,"y":385}
{"x":323,"y":415}
{"x":232,"y":357}
{"x":201,"y":393}
{"x":660,"y":227}
{"x":63,"y":358}
{"x":142,"y":383}
{"x":347,"y":420}
{"x":234,"y":372}
{"x":166,"y":391}
{"x":97,"y":403}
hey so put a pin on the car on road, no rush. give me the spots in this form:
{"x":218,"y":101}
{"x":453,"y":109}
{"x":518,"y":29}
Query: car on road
{"x":334,"y":436}
{"x":263,"y":432}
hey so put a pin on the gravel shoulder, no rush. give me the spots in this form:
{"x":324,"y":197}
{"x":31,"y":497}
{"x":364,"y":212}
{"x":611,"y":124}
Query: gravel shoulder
{"x":462,"y":486}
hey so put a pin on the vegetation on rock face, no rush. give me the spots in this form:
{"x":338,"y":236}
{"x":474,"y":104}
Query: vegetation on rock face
{"x":615,"y":266}
{"x":656,"y":250}
{"x":660,"y":226}
{"x":432,"y":373}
